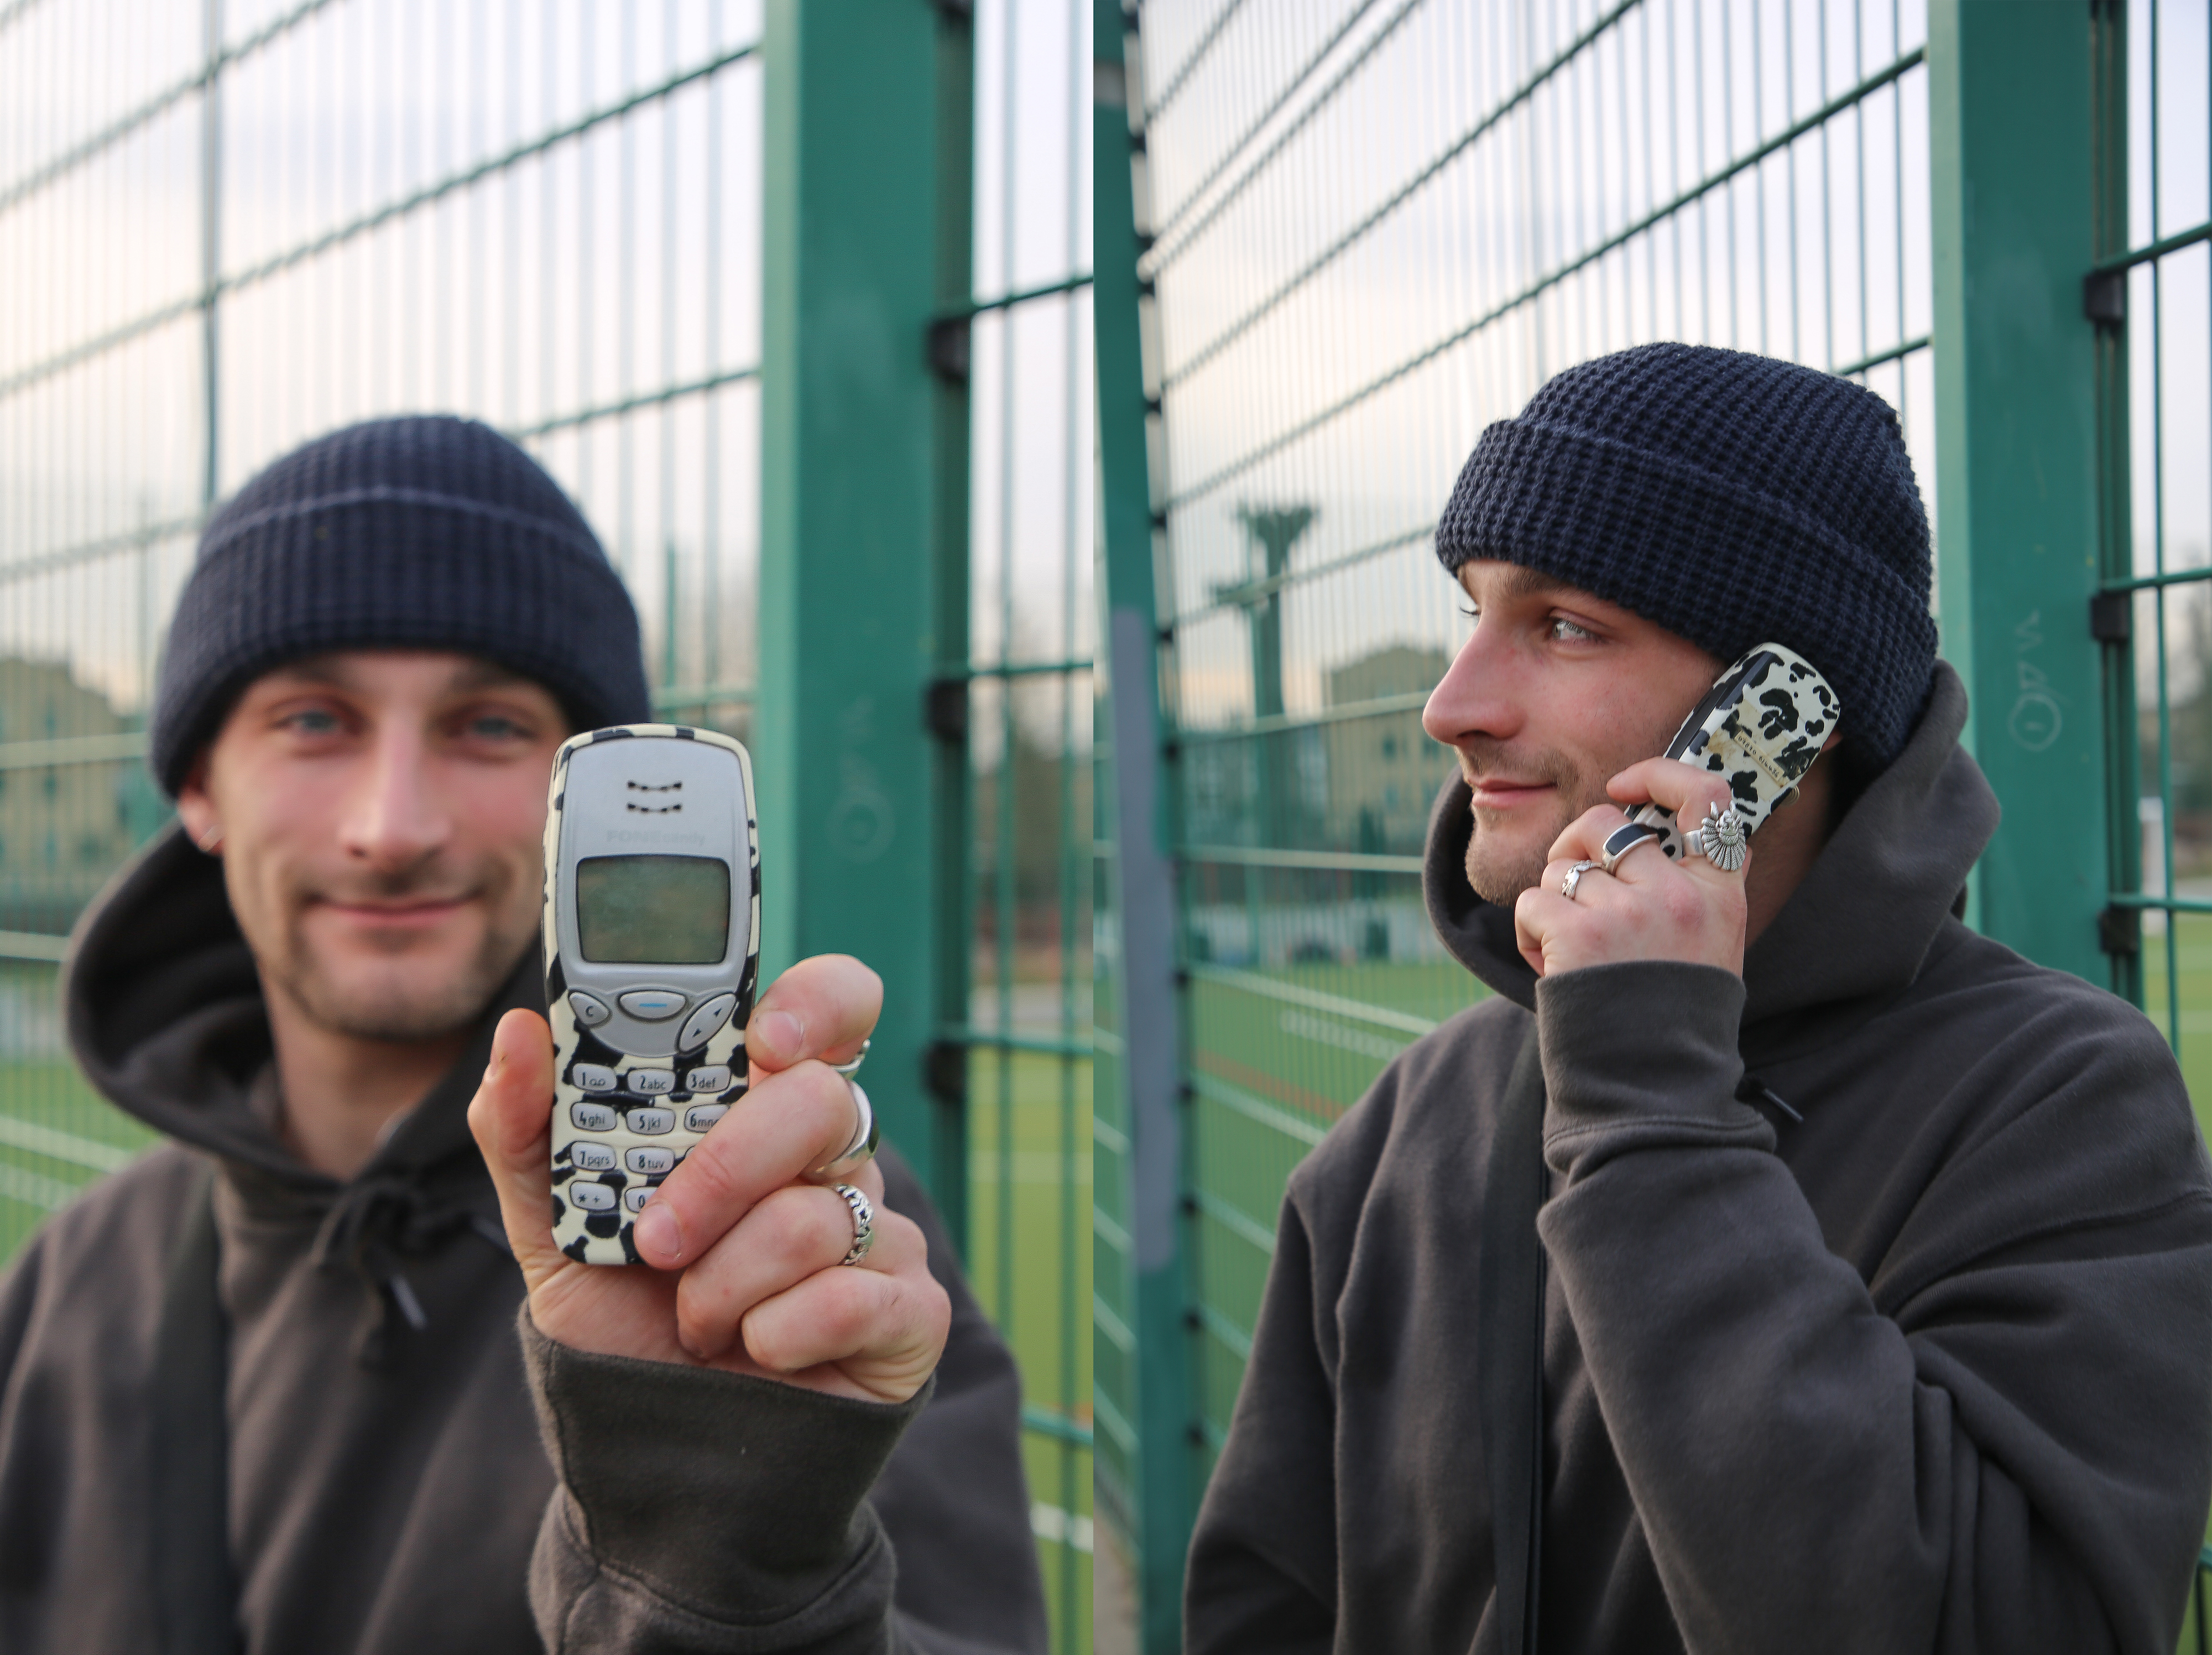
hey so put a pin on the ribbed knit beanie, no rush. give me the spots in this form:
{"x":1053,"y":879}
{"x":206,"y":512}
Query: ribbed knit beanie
{"x":1733,"y":499}
{"x":422,"y":532}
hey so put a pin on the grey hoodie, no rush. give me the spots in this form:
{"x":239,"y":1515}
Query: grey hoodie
{"x":387,"y":1480}
{"x":1931,"y":1370}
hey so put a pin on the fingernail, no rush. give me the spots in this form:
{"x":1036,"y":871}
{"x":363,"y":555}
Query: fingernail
{"x":783,"y":1034}
{"x":657,"y":1232}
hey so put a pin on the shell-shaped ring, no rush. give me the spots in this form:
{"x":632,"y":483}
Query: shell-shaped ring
{"x":1720,"y":838}
{"x":1574,"y":877}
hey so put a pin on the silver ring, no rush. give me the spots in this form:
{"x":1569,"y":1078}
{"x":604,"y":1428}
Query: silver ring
{"x":849,"y":1069}
{"x":1624,"y":839}
{"x":864,"y":1223}
{"x":1574,"y":876}
{"x":860,"y":1148}
{"x":1720,"y":838}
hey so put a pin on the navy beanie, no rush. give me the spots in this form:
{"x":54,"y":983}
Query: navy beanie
{"x":1733,"y":500}
{"x":423,"y":532}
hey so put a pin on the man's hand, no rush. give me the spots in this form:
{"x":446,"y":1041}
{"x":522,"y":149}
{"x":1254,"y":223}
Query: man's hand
{"x":1648,"y":908}
{"x":744,"y":1251}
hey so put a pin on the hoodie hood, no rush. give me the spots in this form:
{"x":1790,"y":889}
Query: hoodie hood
{"x":1912,"y":836}
{"x":164,"y":1012}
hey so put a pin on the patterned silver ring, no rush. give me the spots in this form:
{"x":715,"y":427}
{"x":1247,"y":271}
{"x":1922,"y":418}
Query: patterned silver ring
{"x":864,"y":1223}
{"x":853,"y":1067}
{"x":1574,"y":877}
{"x":1624,"y":839}
{"x":1720,"y":838}
{"x":860,"y":1148}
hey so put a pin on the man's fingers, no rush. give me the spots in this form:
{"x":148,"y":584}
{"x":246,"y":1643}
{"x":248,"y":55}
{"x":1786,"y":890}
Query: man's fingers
{"x":791,"y":1234}
{"x":784,"y":1125}
{"x":1584,"y":838}
{"x":821,"y":1007}
{"x":884,"y":1330}
{"x":1683,"y":789}
{"x":512,"y":1128}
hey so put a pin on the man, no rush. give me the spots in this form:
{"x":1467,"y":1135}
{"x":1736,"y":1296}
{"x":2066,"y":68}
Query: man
{"x":1873,"y":1307}
{"x":263,"y":1389}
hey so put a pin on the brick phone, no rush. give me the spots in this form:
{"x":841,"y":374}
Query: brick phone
{"x":652,"y":962}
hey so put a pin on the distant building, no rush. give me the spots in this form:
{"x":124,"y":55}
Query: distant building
{"x":1383,"y":769}
{"x":64,"y":827}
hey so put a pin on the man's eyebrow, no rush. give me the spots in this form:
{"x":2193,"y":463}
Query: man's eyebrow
{"x":329,"y":670}
{"x":1519,"y":580}
{"x":486,"y":675}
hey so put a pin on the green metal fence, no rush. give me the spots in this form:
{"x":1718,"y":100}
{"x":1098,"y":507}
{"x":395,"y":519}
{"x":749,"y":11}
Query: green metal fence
{"x":226,"y":227}
{"x":1362,"y":229}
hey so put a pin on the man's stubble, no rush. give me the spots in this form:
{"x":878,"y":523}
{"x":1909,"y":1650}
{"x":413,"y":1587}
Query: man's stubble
{"x":401,"y":1004}
{"x":1499,"y":866}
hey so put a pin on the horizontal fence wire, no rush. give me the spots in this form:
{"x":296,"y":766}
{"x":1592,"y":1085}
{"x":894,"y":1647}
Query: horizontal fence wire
{"x":375,"y":219}
{"x":1371,"y":229}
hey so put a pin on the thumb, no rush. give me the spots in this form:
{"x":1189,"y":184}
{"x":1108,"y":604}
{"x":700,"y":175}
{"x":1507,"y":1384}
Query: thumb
{"x":512,"y":1120}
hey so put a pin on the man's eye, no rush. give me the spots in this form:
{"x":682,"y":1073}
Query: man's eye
{"x":314,"y":720}
{"x":496,"y":727}
{"x":1565,"y":631}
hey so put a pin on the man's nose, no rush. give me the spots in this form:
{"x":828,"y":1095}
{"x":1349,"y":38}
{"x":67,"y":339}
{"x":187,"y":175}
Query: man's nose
{"x":398,"y":816}
{"x":1477,"y":694}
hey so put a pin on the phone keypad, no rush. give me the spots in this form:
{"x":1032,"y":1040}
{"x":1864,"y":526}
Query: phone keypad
{"x":606,"y":1140}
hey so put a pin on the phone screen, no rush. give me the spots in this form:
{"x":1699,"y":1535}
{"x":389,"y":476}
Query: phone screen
{"x":653,"y":910}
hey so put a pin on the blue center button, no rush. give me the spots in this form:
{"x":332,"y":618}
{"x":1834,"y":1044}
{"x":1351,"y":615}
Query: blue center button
{"x":652,"y":1005}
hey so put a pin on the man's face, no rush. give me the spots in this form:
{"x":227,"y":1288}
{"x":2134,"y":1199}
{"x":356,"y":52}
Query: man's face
{"x":380,"y":815}
{"x":1554,"y":694}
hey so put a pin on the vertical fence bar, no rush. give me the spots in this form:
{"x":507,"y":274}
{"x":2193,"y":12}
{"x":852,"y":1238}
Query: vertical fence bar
{"x":851,"y":604}
{"x":1138,"y":1041}
{"x":947,"y":1064}
{"x":211,"y":248}
{"x":2016,"y":456}
{"x":2109,"y":210}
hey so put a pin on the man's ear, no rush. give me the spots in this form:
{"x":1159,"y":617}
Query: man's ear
{"x":197,"y":810}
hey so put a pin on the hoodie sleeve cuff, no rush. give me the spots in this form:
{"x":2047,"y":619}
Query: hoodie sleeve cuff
{"x":734,"y":1498}
{"x":1641,"y":1055}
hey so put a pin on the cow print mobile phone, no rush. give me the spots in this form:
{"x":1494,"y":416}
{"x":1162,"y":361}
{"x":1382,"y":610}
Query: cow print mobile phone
{"x":652,"y":959}
{"x":1761,"y":725}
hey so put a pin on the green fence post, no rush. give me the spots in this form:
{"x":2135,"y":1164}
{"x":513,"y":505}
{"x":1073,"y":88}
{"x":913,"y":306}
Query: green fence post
{"x":2010,"y":148}
{"x":863,"y":585}
{"x":1143,"y":1064}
